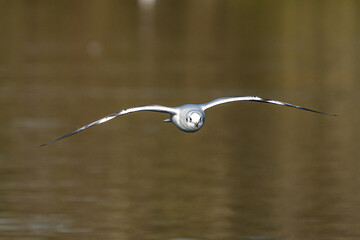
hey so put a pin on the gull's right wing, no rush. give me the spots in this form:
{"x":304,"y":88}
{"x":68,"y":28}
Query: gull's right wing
{"x":152,"y":108}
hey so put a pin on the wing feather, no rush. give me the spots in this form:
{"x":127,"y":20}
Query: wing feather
{"x":223,"y":100}
{"x":152,"y":108}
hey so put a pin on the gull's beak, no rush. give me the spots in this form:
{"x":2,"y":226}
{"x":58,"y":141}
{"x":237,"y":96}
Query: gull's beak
{"x":196,"y":124}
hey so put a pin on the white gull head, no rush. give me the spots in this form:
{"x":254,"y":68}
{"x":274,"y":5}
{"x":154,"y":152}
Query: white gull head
{"x":190,"y":118}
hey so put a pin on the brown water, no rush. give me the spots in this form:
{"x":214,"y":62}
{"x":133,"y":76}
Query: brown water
{"x":255,"y":171}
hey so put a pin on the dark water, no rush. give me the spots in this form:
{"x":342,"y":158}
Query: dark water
{"x":255,"y":171}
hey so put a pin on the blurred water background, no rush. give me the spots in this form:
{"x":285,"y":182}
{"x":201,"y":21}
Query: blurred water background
{"x":255,"y":171}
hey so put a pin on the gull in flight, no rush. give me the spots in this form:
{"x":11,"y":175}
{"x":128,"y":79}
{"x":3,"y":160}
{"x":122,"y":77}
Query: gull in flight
{"x":188,"y":117}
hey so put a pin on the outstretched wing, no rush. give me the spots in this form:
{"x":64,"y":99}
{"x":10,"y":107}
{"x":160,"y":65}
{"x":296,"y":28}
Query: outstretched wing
{"x":223,"y":100}
{"x":152,"y":108}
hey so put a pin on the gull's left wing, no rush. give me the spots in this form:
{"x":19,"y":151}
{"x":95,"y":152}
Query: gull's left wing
{"x":223,"y":100}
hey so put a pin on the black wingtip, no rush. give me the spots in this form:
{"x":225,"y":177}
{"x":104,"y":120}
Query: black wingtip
{"x":328,"y":114}
{"x":43,"y":145}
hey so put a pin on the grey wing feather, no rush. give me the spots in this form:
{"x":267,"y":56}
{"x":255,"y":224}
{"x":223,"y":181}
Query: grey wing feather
{"x":223,"y":100}
{"x":153,"y":108}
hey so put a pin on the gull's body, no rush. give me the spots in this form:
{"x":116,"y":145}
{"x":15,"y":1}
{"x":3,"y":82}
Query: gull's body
{"x":188,"y":117}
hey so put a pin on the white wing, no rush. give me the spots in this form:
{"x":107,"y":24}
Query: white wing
{"x":223,"y":100}
{"x":152,"y":108}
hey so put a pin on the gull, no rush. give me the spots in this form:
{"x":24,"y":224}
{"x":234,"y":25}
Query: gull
{"x":189,"y":117}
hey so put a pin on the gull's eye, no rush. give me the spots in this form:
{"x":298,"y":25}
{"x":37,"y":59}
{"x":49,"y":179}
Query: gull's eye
{"x":187,"y":119}
{"x":190,"y":119}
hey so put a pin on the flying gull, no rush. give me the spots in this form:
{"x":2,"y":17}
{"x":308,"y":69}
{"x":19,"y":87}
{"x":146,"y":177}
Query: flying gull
{"x":188,"y":117}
